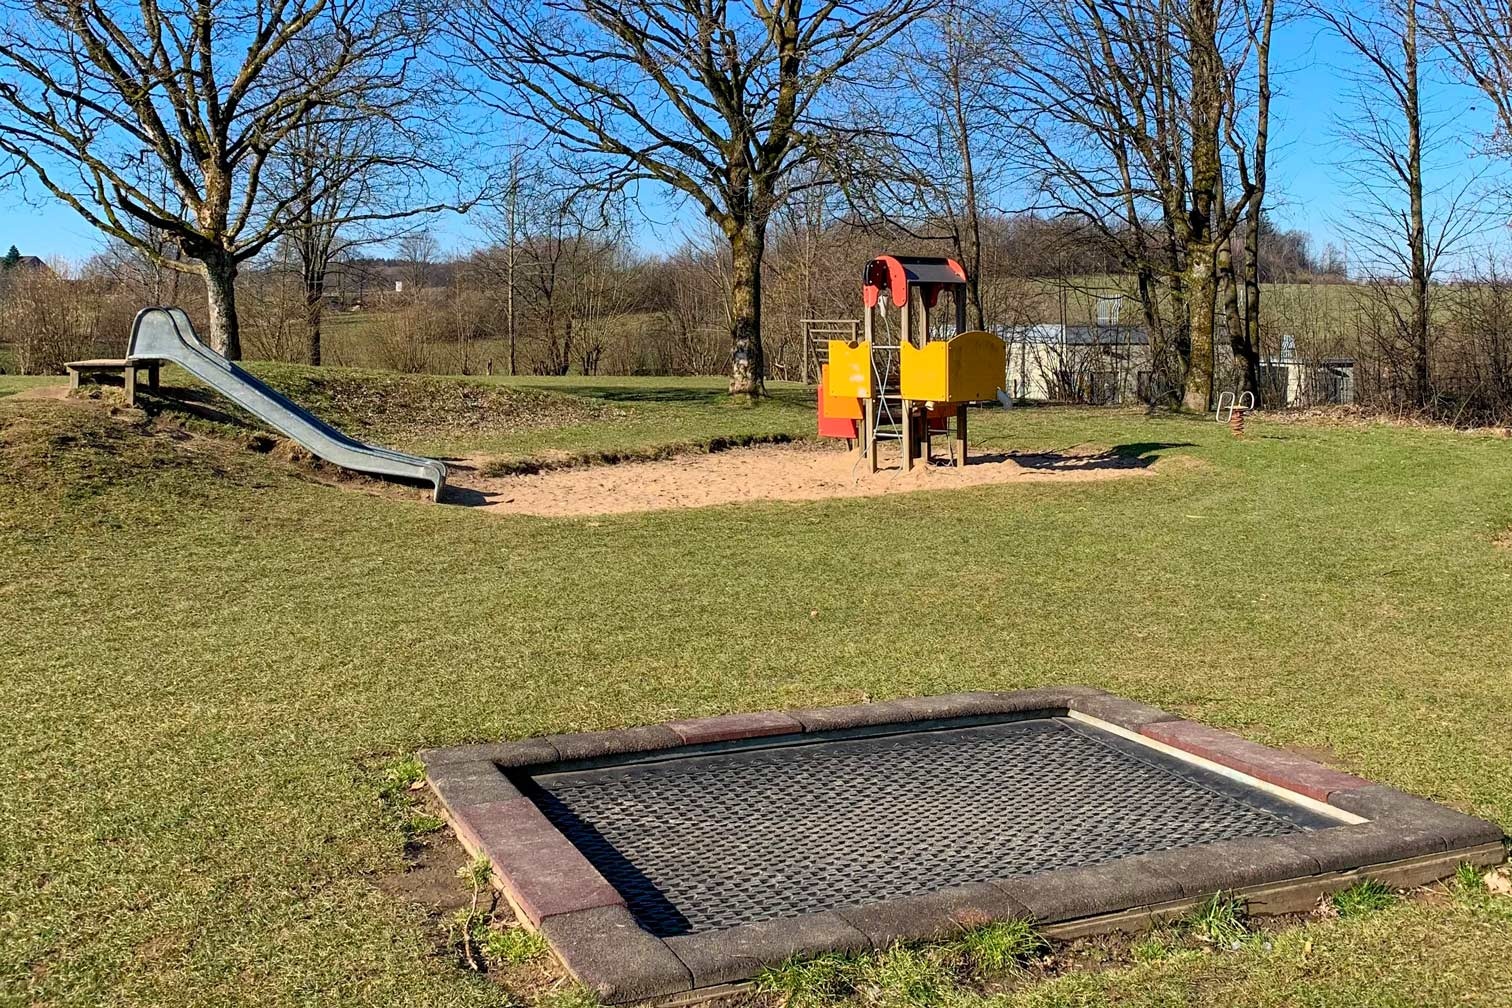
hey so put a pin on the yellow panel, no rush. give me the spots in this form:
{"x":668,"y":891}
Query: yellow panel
{"x":964,"y":368}
{"x":977,"y":361}
{"x":850,"y":369}
{"x":923,"y":373}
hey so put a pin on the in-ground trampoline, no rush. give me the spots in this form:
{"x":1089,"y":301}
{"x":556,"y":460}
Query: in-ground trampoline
{"x":680,"y":858}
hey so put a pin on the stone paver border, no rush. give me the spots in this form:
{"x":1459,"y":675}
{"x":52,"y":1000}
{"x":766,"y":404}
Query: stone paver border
{"x":1384,"y":833}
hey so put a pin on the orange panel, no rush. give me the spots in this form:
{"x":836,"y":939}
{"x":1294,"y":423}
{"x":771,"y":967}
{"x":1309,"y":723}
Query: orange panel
{"x":833,"y":421}
{"x":840,"y":405}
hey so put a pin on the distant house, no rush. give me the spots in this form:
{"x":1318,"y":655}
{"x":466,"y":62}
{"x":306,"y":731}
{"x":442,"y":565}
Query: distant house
{"x":1098,"y":364}
{"x":26,"y":264}
{"x":1109,"y":364}
{"x":1324,"y":381}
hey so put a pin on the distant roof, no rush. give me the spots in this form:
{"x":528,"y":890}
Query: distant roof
{"x":30,"y":262}
{"x":1323,"y":362}
{"x":1077,"y":335}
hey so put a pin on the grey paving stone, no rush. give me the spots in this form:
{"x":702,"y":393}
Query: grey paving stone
{"x":522,"y":752}
{"x":980,"y":703}
{"x":612,"y":956}
{"x":1068,"y":893}
{"x":1345,"y":847}
{"x":1130,"y":714}
{"x":739,"y":953}
{"x":462,"y":784}
{"x":591,"y":745}
{"x":935,"y":915}
{"x":1204,"y":869}
{"x":865,"y":715}
{"x":1394,"y":808}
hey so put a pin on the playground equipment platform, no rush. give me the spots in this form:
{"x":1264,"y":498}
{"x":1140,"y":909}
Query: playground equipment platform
{"x":909,"y":369}
{"x":166,"y":334}
{"x":672,"y":861}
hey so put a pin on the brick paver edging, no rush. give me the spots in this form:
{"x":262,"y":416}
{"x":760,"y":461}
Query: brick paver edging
{"x":1384,"y":833}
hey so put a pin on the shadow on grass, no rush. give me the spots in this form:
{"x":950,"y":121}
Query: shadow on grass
{"x":1135,"y":455}
{"x":198,"y":403}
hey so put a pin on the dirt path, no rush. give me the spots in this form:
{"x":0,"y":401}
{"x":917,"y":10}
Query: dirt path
{"x":775,"y":473}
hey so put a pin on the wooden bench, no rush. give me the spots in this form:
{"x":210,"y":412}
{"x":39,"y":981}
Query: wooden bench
{"x":127,"y":369}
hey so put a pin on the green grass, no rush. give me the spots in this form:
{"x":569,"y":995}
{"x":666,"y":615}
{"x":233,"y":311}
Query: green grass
{"x":522,"y":423}
{"x":1219,"y":921}
{"x":213,"y":670}
{"x":11,"y":384}
{"x":1003,"y":947}
{"x":1364,"y":897}
{"x":512,"y":946}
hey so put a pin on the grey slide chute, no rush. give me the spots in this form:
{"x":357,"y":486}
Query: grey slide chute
{"x":166,"y":334}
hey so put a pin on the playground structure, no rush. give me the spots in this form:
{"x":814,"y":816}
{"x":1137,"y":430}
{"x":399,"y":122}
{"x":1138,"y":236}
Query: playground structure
{"x":166,"y":334}
{"x":912,"y":373}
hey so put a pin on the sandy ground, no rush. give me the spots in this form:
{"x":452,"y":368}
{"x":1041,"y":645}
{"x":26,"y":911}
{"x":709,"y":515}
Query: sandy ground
{"x":56,"y":392}
{"x":776,"y":473}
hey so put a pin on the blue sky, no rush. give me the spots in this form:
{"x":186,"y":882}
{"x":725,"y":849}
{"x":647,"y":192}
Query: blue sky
{"x":1307,"y":190}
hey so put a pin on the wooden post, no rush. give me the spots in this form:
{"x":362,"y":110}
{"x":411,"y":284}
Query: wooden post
{"x":805,"y":347}
{"x":128,"y":374}
{"x":958,"y":449}
{"x":908,"y":435}
{"x":154,"y":369}
{"x":73,"y":378}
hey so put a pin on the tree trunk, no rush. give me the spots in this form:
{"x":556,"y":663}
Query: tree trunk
{"x":1206,"y":106}
{"x":1256,"y":208}
{"x":314,"y":288}
{"x":1202,"y":292}
{"x":1416,"y":231}
{"x":220,"y":289}
{"x":972,"y":240}
{"x":747,"y":366}
{"x":1246,"y":354}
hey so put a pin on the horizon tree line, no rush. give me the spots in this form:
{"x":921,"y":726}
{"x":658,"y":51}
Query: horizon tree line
{"x":202,"y":135}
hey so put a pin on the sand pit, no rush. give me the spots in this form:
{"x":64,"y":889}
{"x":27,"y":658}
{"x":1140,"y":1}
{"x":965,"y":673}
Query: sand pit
{"x":772,"y":473}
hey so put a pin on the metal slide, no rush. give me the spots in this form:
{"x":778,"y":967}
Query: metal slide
{"x":166,"y":334}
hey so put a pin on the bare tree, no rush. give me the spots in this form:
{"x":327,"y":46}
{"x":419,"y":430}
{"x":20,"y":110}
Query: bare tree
{"x":937,"y":107}
{"x":1123,"y":109}
{"x":1251,"y":151}
{"x":720,"y":102}
{"x":353,"y":180}
{"x":166,"y":113}
{"x":1387,"y":138}
{"x":418,"y":252}
{"x":1477,"y":36}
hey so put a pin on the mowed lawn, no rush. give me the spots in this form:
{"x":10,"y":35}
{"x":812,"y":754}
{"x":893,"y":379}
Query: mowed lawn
{"x":206,"y":658}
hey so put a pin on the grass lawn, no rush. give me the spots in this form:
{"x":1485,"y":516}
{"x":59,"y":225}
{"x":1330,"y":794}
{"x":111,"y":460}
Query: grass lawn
{"x":208,"y":659}
{"x":11,"y":384}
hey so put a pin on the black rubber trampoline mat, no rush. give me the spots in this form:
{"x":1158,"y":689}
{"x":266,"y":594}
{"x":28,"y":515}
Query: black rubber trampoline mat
{"x":704,"y":842}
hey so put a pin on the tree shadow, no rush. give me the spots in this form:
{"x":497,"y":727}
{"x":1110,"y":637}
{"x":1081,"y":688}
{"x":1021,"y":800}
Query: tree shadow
{"x":633,"y":393}
{"x":1135,"y":455}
